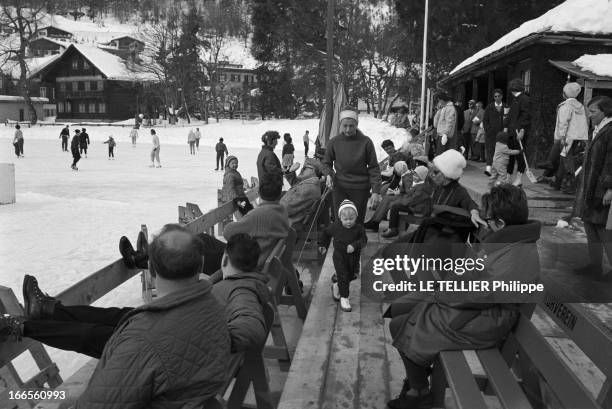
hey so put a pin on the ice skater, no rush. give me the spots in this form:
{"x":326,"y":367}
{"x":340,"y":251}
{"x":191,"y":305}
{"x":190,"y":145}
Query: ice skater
{"x":64,"y":135}
{"x":74,"y":148}
{"x":221,"y":150}
{"x":198,"y":135}
{"x":111,"y":147}
{"x":155,"y":150}
{"x":18,"y":141}
{"x":288,"y":150}
{"x":191,"y":140}
{"x":84,"y":141}
{"x":306,"y":140}
{"x":134,"y":136}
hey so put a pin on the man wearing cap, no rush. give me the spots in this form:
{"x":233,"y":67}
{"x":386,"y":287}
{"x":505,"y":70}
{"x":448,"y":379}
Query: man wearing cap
{"x":351,"y":166}
{"x":571,"y":126}
{"x":445,"y":123}
{"x":519,"y":122}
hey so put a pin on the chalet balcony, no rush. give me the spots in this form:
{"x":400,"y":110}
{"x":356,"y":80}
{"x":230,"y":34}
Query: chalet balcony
{"x":80,"y":94}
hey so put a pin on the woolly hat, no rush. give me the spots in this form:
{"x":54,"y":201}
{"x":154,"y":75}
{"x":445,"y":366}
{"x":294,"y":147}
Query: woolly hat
{"x":400,"y":167}
{"x":229,"y":159}
{"x":571,"y":89}
{"x":516,"y":85}
{"x":347,"y":204}
{"x":451,"y":163}
{"x":422,"y":171}
{"x":349,"y":112}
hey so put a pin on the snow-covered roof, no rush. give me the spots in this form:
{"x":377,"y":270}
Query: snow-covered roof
{"x":236,"y":51}
{"x":599,"y":64}
{"x":133,"y":37}
{"x":575,"y":16}
{"x":54,"y":26}
{"x":111,"y":66}
{"x":64,"y":44}
{"x":10,"y":98}
{"x":12,"y":68}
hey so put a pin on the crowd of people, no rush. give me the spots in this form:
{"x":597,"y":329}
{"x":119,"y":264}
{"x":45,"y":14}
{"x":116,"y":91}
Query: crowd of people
{"x":175,"y":349}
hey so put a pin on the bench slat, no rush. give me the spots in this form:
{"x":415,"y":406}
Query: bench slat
{"x":559,"y":377}
{"x":461,"y":381}
{"x":504,"y":384}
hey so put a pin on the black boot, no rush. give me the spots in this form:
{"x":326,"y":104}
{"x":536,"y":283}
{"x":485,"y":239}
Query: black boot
{"x":405,"y":401}
{"x":37,"y":305}
{"x":10,"y":327}
{"x":142,"y":251}
{"x":398,"y":402}
{"x":371,"y":225}
{"x":127,"y":252}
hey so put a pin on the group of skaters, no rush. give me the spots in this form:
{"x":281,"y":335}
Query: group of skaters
{"x":225,"y":311}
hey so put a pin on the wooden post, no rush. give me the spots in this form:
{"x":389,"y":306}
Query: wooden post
{"x":490,"y":88}
{"x":474,"y":89}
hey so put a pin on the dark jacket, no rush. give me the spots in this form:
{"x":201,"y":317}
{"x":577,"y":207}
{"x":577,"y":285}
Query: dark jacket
{"x":430,"y":327}
{"x":398,"y":156}
{"x":300,"y":198}
{"x":354,"y":160}
{"x":64,"y":133}
{"x":84,"y":139}
{"x":520,"y":115}
{"x":494,"y":121}
{"x":453,"y":195}
{"x":355,"y":236}
{"x":170,"y":354}
{"x":233,"y":186}
{"x":418,"y":199}
{"x":244,"y":295}
{"x":220,"y":147}
{"x":597,"y":176}
{"x":267,"y":162}
{"x":74,"y":145}
{"x":288,"y":149}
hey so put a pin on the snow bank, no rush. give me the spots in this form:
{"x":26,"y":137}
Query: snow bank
{"x":581,"y":16}
{"x":599,"y":64}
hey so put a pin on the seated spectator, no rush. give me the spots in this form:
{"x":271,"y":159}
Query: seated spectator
{"x":415,"y":145}
{"x":84,"y":329}
{"x":421,"y":330}
{"x":394,"y":156}
{"x":171,"y":353}
{"x":300,"y":199}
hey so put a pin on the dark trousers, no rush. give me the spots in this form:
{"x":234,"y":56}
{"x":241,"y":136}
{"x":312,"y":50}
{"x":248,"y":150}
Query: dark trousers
{"x":20,"y":145}
{"x":347,"y":269}
{"x":197,"y":142}
{"x":84,"y":149}
{"x":513,"y":143}
{"x":415,"y":374}
{"x":219,"y":164}
{"x":489,"y":149}
{"x":554,"y":158}
{"x":394,"y":214}
{"x":16,"y":146}
{"x":64,"y":143}
{"x":306,"y":148}
{"x":599,"y":239}
{"x":192,"y":147}
{"x":75,"y":158}
{"x":111,"y":151}
{"x":467,"y":144}
{"x":358,"y":196}
{"x":80,"y":328}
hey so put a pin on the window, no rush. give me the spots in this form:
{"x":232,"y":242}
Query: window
{"x":42,"y":33}
{"x":85,"y":65}
{"x":75,"y":85}
{"x":100,"y":85}
{"x":81,"y":107}
{"x":75,"y":64}
{"x":43,"y":92}
{"x":68,"y":106}
{"x":102,"y":107}
{"x":81,"y":86}
{"x":526,"y":77}
{"x":93,"y":85}
{"x":62,"y":87}
{"x":222,"y":77}
{"x":92,"y":107}
{"x":53,"y":94}
{"x":86,"y":85}
{"x":60,"y":107}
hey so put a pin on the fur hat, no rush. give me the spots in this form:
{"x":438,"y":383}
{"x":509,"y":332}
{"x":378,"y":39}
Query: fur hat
{"x":347,"y":204}
{"x":349,"y":112}
{"x":451,"y":163}
{"x":422,"y":171}
{"x":571,"y":89}
{"x":516,"y":85}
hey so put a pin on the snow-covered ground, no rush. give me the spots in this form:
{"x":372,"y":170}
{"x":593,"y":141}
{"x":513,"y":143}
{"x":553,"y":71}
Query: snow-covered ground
{"x":66,"y":224}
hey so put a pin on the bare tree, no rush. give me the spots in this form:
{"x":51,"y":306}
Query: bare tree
{"x":23,"y":22}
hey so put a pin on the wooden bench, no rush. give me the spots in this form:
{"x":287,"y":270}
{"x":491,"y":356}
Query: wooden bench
{"x":526,"y":371}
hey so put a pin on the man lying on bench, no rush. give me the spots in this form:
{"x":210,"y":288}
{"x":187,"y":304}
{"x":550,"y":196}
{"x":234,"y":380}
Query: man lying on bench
{"x":182,"y":335}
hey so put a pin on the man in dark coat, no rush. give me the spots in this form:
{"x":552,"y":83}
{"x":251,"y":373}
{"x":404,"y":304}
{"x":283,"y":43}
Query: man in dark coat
{"x":221,"y":150}
{"x":64,"y":135}
{"x":494,"y":122}
{"x":267,"y":161}
{"x":519,"y":124}
{"x":74,"y":148}
{"x":84,"y":141}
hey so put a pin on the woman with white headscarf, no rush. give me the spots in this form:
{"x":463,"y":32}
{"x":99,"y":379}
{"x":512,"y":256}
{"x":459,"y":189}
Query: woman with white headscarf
{"x":351,"y":166}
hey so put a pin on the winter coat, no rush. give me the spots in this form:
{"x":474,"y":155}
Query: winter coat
{"x":267,"y":223}
{"x":597,"y":176}
{"x":84,"y":139}
{"x":352,"y":162}
{"x":476,"y":120}
{"x":267,"y":162}
{"x":74,"y":145}
{"x":520,"y":115}
{"x":191,"y":137}
{"x":155,"y":141}
{"x":418,"y":199}
{"x":243,"y":296}
{"x":18,"y":136}
{"x":111,"y":142}
{"x":170,"y":354}
{"x":572,"y":123}
{"x":299,"y":199}
{"x":468,"y":115}
{"x":233,"y":186}
{"x":447,"y":121}
{"x":220,"y":147}
{"x":453,"y":195}
{"x":288,"y":149}
{"x":494,"y":121}
{"x":343,"y":237}
{"x":64,"y":133}
{"x":439,"y":325}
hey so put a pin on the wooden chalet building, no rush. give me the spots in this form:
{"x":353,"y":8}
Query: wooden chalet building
{"x":535,"y":58}
{"x":89,"y":83}
{"x":43,"y":46}
{"x":234,"y":83}
{"x":52,"y":31}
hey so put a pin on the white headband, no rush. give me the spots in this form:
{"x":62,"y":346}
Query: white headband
{"x":348,"y":113}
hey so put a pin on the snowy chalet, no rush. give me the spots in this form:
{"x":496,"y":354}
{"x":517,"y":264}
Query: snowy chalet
{"x":541,"y":52}
{"x":90,"y":83}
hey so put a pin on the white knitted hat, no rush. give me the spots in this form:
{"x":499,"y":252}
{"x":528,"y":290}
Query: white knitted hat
{"x":347,"y":204}
{"x":349,"y":112}
{"x":451,"y":163}
{"x":422,"y":171}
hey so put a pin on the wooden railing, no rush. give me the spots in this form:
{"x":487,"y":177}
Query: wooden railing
{"x":84,"y":292}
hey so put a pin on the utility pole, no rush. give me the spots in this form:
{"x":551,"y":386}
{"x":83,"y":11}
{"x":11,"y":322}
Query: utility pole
{"x":329,"y":83}
{"x":424,"y":67}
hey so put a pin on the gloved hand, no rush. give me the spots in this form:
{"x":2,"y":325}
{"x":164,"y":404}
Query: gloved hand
{"x":444,"y":140}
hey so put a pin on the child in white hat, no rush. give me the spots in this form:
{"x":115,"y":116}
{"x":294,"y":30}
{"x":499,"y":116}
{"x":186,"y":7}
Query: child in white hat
{"x":349,"y":239}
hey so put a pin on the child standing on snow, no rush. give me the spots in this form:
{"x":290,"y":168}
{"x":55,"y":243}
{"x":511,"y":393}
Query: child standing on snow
{"x":288,"y":150}
{"x":111,"y":147}
{"x":349,"y":238}
{"x":134,"y":136}
{"x":499,"y":173}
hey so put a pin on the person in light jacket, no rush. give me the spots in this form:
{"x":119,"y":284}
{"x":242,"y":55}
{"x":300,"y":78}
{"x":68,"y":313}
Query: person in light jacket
{"x":446,"y":125}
